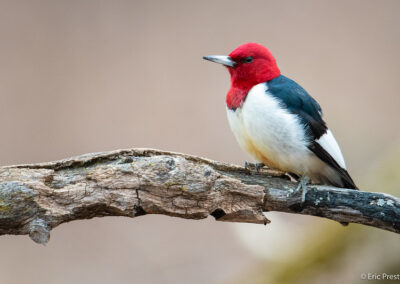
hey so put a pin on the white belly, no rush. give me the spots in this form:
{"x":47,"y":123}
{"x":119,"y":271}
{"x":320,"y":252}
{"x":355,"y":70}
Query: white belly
{"x":271,"y":134}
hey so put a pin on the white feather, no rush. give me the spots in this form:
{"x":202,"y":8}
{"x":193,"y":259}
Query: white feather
{"x":276,"y":137}
{"x":328,"y":142}
{"x":270,"y":133}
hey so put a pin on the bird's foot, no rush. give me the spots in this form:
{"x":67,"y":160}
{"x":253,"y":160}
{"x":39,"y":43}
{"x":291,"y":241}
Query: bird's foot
{"x":302,"y":186}
{"x":293,"y":177}
{"x":257,"y":166}
{"x":302,"y":183}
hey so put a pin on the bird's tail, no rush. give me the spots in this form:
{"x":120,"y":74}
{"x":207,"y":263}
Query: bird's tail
{"x":342,"y":179}
{"x":346,"y":180}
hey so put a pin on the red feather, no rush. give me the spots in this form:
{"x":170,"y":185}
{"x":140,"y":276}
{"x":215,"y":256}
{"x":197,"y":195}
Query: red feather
{"x":246,"y":75}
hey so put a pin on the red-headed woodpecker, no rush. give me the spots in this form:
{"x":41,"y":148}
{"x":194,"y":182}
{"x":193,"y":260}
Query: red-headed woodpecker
{"x":277,"y":122}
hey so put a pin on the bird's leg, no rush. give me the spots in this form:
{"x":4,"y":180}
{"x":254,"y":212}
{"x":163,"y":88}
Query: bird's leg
{"x":257,"y":166}
{"x":302,"y":185}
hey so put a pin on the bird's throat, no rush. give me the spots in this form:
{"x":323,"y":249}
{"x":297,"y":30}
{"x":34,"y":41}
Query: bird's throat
{"x":236,"y":97}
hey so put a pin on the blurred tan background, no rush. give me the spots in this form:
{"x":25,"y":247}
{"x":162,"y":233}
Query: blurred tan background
{"x":87,"y":76}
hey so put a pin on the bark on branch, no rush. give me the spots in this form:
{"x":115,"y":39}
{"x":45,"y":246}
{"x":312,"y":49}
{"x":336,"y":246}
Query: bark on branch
{"x":36,"y":198}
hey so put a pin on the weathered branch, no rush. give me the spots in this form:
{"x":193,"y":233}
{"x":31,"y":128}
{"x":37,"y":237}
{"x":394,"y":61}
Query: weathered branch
{"x":36,"y":198}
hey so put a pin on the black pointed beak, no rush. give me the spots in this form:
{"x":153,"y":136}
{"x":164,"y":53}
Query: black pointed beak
{"x":221,"y":59}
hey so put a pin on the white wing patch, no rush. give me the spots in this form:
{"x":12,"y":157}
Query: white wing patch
{"x":328,"y":142}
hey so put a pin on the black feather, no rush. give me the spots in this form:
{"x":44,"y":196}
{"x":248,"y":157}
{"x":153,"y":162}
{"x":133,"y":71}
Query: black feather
{"x":327,"y":158}
{"x":300,"y":103}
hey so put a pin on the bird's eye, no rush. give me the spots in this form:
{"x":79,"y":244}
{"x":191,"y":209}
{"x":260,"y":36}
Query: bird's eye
{"x":247,"y":59}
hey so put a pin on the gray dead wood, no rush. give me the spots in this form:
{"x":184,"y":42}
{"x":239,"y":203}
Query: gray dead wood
{"x":38,"y":197}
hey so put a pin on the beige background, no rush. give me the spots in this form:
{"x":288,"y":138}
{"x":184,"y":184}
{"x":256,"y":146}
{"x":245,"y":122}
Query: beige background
{"x":87,"y":76}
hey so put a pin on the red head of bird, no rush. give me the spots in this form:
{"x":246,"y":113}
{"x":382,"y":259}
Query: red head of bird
{"x":249,"y":64}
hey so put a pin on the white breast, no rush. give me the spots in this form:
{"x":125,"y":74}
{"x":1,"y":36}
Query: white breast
{"x":269,"y":133}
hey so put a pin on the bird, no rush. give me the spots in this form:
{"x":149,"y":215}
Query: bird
{"x":277,"y":122}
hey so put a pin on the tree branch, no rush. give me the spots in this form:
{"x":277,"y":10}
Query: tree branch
{"x":36,"y":198}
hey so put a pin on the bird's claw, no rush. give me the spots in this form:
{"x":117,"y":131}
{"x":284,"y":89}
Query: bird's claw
{"x":302,"y":185}
{"x":257,"y":166}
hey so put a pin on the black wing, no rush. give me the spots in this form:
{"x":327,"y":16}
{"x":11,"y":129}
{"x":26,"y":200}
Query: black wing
{"x":321,"y":153}
{"x":299,"y":102}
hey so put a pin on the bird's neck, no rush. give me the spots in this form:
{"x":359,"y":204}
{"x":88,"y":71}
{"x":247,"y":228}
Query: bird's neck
{"x":236,"y":97}
{"x":240,"y":87}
